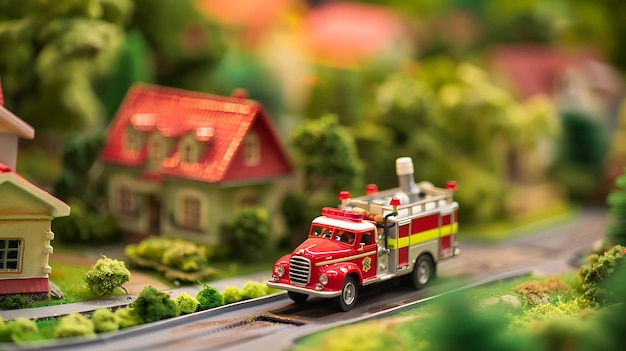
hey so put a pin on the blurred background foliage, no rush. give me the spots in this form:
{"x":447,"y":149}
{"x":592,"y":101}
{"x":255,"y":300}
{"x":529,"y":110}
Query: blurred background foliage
{"x":419,"y":79}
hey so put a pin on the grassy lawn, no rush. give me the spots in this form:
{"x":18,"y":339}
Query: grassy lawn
{"x":459,"y":314}
{"x":70,"y":280}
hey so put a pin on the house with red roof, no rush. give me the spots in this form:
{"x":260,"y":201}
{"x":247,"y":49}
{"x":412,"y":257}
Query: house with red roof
{"x":572,"y":79}
{"x":26,"y":212}
{"x":179,"y":163}
{"x":11,"y":129}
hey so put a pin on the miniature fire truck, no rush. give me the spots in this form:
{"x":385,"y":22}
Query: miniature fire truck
{"x":403,"y":231}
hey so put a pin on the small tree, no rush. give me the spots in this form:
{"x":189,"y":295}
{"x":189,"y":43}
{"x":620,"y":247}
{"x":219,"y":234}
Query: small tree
{"x":616,"y":229}
{"x":209,"y":297}
{"x":152,"y":305}
{"x":74,"y":324}
{"x":106,"y":275}
{"x":328,"y":155}
{"x":248,"y":234}
{"x":186,"y":303}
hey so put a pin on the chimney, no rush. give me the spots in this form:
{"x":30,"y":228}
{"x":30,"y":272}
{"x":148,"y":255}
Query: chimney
{"x":404,"y":171}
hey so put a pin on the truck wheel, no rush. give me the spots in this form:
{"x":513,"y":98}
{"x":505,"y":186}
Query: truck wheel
{"x":297,"y":297}
{"x":423,"y":272}
{"x":349,"y":292}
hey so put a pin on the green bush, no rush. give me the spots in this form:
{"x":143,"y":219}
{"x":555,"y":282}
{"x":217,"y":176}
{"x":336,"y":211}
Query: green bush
{"x":128,"y":317}
{"x":252,"y":290}
{"x":13,"y":331}
{"x":74,"y":324}
{"x":14,"y":302}
{"x":184,"y":255}
{"x":596,"y":270}
{"x":104,"y":320}
{"x":232,"y":294}
{"x":152,"y":305}
{"x":84,"y":226}
{"x":175,"y":253}
{"x":186,"y":303}
{"x":106,"y":275}
{"x":209,"y":297}
{"x":247,"y":234}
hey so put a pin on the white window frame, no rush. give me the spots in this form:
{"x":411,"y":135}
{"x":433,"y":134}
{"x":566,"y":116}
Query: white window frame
{"x":6,"y":250}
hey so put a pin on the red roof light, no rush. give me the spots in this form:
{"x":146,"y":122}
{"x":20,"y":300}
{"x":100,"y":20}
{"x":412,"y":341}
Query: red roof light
{"x":451,"y":185}
{"x":344,"y":195}
{"x":394,"y":201}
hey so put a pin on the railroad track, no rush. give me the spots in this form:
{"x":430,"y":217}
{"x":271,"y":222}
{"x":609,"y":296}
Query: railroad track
{"x":241,"y":325}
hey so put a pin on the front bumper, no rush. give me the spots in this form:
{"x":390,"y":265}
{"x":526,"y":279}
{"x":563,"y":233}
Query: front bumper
{"x":322,"y":294}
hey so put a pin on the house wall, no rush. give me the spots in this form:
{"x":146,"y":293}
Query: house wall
{"x":8,"y":149}
{"x":36,"y":236}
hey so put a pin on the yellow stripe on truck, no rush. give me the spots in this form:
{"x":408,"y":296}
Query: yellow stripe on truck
{"x":420,"y":237}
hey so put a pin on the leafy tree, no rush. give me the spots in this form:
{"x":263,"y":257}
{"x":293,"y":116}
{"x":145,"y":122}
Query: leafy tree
{"x":78,"y":155}
{"x":185,"y":46}
{"x":209,"y":297}
{"x":106,"y":275}
{"x":54,"y":52}
{"x":327,"y":155}
{"x":580,"y":161}
{"x":74,"y":324}
{"x":186,"y":303}
{"x":455,"y":124}
{"x":104,"y":320}
{"x":616,"y":229}
{"x":247,"y":234}
{"x":152,"y":305}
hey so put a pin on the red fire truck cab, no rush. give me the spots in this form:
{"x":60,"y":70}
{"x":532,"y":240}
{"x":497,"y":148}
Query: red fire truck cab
{"x":403,"y":231}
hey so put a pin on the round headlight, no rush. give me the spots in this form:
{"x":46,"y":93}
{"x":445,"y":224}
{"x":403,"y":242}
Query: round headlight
{"x":323,"y":279}
{"x":279,"y":270}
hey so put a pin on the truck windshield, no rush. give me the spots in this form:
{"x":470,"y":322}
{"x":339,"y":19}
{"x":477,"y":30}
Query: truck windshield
{"x":334,"y":233}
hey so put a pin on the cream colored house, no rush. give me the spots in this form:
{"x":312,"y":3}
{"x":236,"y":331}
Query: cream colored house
{"x":26,"y":212}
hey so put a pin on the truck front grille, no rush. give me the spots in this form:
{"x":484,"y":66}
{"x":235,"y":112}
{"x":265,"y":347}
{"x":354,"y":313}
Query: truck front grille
{"x":299,"y":270}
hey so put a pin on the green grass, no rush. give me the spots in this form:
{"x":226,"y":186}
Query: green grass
{"x":70,"y":280}
{"x":414,"y":329}
{"x":506,"y":230}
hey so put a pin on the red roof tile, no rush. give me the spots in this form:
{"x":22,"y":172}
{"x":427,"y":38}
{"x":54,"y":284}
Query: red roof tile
{"x":219,"y":122}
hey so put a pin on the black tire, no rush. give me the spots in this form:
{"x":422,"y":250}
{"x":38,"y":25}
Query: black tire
{"x":423,"y":272}
{"x":297,"y":297}
{"x":349,"y":293}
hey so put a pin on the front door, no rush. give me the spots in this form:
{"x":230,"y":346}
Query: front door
{"x":368,"y":263}
{"x":154,"y":215}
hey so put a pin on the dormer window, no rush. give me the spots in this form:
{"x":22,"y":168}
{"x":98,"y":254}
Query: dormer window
{"x":156,"y":149}
{"x":132,"y":139}
{"x":188,"y":150}
{"x":252,"y":149}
